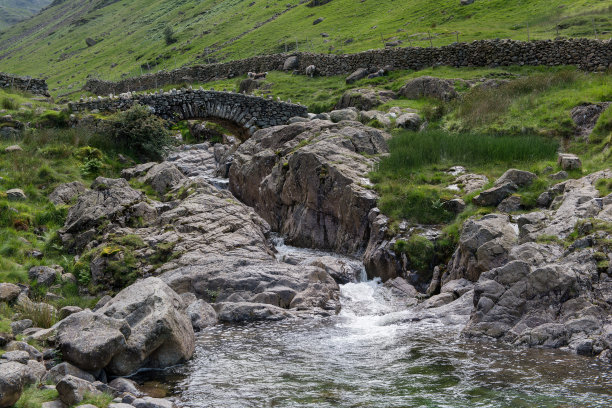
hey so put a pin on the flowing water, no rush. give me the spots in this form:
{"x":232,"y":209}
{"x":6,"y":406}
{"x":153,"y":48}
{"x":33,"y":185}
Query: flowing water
{"x":373,"y":354}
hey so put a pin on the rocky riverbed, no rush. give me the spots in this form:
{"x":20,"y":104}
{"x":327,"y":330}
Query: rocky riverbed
{"x":204,"y":251}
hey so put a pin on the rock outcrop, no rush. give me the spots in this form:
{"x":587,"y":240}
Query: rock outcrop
{"x":308,"y":181}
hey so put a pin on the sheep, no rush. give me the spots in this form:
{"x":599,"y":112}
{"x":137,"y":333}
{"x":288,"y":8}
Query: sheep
{"x":311,"y":70}
{"x":258,"y":76}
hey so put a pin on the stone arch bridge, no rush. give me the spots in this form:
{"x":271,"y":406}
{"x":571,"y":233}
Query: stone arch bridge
{"x":242,"y":114}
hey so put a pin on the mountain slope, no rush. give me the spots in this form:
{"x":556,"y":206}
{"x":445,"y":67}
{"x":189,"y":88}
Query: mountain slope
{"x":13,"y":11}
{"x":130,"y":34}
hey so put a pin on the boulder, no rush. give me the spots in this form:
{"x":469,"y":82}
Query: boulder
{"x":9,"y":292}
{"x":519,"y":177}
{"x":357,"y":75}
{"x":341,"y":271}
{"x":471,"y":182}
{"x":90,"y":340}
{"x":232,"y":312}
{"x":19,"y":326}
{"x":318,"y":20}
{"x":16,"y":194}
{"x":56,"y":404}
{"x":495,"y":195}
{"x":125,"y":385}
{"x":65,"y":193}
{"x":291,"y":63}
{"x":364,"y":99}
{"x":12,"y":381}
{"x":34,"y":372}
{"x":569,"y":161}
{"x":163,"y":177}
{"x":137,"y":171}
{"x":410,"y":121}
{"x":483,"y":244}
{"x":368,"y":116}
{"x":90,"y":42}
{"x":149,"y":402}
{"x":73,"y":390}
{"x":63,"y":369}
{"x":510,"y":204}
{"x":201,"y":314}
{"x":17,"y":356}
{"x":161,"y":334}
{"x":23,"y":346}
{"x":246,"y":86}
{"x":68,"y":310}
{"x":429,"y":87}
{"x":43,"y":275}
{"x":344,"y":114}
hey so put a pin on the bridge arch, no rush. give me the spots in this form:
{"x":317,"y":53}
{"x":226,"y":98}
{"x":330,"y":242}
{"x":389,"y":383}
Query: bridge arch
{"x":242,"y":114}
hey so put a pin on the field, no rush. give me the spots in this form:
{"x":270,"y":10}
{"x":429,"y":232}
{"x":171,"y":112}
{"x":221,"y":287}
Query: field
{"x":132,"y":37}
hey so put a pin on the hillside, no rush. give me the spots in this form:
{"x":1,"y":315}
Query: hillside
{"x":130,"y":38}
{"x":14,"y":11}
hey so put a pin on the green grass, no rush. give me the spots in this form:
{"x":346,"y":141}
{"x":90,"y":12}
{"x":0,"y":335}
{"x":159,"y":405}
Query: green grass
{"x":33,"y":397}
{"x":224,"y":30}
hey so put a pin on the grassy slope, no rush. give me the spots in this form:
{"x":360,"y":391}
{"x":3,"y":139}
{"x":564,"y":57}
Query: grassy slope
{"x":52,"y":44}
{"x":14,"y":11}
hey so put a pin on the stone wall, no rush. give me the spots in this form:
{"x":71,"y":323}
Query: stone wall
{"x":589,"y":55}
{"x":33,"y":85}
{"x":245,"y":113}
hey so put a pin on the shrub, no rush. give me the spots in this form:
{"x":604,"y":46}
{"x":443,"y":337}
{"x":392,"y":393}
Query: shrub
{"x":41,"y":314}
{"x":603,"y":128}
{"x":138,"y":130}
{"x":169,"y":35}
{"x":8,"y":103}
{"x":419,"y":250}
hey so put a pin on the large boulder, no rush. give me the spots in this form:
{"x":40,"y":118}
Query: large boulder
{"x":9,"y":292}
{"x":43,"y":275}
{"x":160,"y":331}
{"x":364,"y":99}
{"x":519,"y":177}
{"x":73,"y":390}
{"x":357,"y":75}
{"x":483,"y":244}
{"x":344,"y":114}
{"x":429,"y":87}
{"x":308,"y":181}
{"x":163,"y":177}
{"x":201,"y":314}
{"x":12,"y":381}
{"x":291,"y":63}
{"x":63,"y":369}
{"x":90,"y":340}
{"x":65,"y":193}
{"x":495,"y":195}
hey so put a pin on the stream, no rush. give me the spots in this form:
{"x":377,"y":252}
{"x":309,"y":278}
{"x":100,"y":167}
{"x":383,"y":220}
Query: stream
{"x":376,"y":353}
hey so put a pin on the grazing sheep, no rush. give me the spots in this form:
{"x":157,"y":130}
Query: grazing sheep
{"x":260,"y":75}
{"x":379,"y":73}
{"x":251,"y":75}
{"x":311,"y":70}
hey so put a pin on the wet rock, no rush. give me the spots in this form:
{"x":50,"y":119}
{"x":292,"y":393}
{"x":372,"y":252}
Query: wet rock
{"x":160,"y":331}
{"x":73,"y":390}
{"x":495,"y":195}
{"x":91,"y":340}
{"x":125,"y":385}
{"x":429,"y":87}
{"x":9,"y":292}
{"x":65,"y":193}
{"x":249,"y":312}
{"x":201,"y":314}
{"x":148,"y":402}
{"x":401,"y":287}
{"x":342,"y":272}
{"x":519,"y":177}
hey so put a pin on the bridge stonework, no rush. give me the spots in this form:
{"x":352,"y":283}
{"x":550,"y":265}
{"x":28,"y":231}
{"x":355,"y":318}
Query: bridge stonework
{"x":245,"y":113}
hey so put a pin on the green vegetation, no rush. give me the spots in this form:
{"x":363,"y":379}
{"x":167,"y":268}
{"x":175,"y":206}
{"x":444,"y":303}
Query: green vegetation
{"x":140,"y":132}
{"x":211,"y":30}
{"x":419,"y":250}
{"x":603,"y":129}
{"x":34,"y":397}
{"x":14,"y":11}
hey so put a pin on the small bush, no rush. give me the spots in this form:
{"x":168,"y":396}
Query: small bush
{"x":138,"y":130}
{"x":603,"y":128}
{"x":41,"y":314}
{"x":169,"y":35}
{"x":9,"y":103}
{"x":419,"y":250}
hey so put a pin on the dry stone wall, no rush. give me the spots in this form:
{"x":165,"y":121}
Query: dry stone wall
{"x":245,"y":113}
{"x":33,"y":85}
{"x":588,"y":55}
